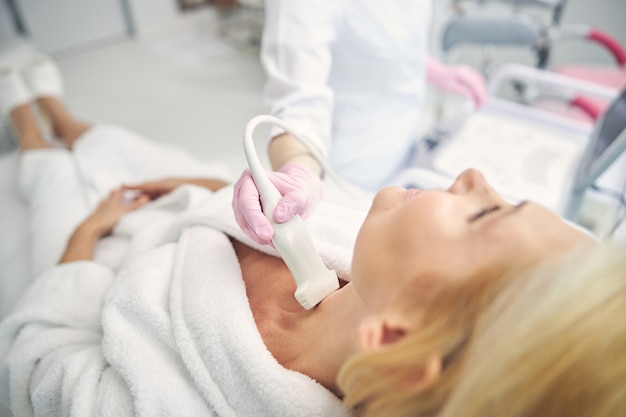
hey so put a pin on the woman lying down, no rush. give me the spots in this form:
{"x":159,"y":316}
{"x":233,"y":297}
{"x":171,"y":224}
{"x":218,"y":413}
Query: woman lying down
{"x":453,"y":302}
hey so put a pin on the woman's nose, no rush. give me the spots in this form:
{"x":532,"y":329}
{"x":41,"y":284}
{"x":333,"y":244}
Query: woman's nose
{"x":470,"y":180}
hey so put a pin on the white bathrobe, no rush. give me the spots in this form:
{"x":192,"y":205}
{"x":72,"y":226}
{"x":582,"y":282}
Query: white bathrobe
{"x":171,"y":333}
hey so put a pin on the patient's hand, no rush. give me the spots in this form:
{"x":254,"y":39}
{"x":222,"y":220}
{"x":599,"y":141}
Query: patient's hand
{"x":159,"y":188}
{"x":111,"y":209}
{"x":100,"y":223}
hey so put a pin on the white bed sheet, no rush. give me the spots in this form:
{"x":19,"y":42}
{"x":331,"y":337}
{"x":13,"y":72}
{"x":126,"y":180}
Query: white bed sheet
{"x":14,"y":275}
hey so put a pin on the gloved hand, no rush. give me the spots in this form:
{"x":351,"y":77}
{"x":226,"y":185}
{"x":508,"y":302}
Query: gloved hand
{"x":301,"y":190}
{"x":461,"y":80}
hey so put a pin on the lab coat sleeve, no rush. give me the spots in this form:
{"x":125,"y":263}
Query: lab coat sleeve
{"x":296,"y":55}
{"x":51,"y":361}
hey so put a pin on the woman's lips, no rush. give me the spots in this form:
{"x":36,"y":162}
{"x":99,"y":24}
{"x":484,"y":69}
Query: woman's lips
{"x":411,"y":193}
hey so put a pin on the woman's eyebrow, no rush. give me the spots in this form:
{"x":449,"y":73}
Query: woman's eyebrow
{"x":482,"y":213}
{"x":512,"y":210}
{"x":509,"y":211}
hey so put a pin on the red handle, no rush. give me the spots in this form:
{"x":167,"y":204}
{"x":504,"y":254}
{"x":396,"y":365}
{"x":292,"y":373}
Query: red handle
{"x":610,"y":43}
{"x":592,"y":108}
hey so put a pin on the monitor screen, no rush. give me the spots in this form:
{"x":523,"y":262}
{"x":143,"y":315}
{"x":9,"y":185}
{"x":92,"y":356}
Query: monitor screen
{"x":613,"y":123}
{"x":608,"y":142}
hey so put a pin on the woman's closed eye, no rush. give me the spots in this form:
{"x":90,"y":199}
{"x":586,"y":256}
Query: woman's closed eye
{"x":484,"y":211}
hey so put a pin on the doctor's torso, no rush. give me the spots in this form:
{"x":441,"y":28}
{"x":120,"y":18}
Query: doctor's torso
{"x":376,"y":74}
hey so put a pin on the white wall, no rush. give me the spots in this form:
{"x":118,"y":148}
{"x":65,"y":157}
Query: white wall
{"x":62,"y":25}
{"x":6,"y":23}
{"x":7,"y":29}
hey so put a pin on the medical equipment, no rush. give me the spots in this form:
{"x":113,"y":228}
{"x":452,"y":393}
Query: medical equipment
{"x":314,"y":281}
{"x":519,"y":28}
{"x":529,"y":153}
{"x":523,"y":23}
{"x":242,"y":20}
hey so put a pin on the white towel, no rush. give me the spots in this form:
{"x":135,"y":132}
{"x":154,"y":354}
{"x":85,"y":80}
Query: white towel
{"x":177,"y":336}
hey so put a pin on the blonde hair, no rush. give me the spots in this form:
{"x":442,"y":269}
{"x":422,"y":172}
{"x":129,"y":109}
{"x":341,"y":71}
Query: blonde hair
{"x":556,"y":344}
{"x":547,"y":342}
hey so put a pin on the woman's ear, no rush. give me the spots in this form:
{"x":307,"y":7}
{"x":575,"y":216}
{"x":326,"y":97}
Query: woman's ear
{"x":378,"y":331}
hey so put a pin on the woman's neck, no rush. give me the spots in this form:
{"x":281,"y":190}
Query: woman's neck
{"x":328,"y":336}
{"x":314,"y":342}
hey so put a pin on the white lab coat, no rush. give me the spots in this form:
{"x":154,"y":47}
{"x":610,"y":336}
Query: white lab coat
{"x":350,"y":74}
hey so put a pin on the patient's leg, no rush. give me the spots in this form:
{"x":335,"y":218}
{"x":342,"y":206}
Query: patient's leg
{"x":49,"y":181}
{"x":64,"y":126}
{"x":45,"y":81}
{"x":26,"y":128}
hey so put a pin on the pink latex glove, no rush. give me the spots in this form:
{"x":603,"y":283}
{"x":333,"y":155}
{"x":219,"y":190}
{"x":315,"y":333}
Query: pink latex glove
{"x":301,"y":190}
{"x":461,"y":80}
